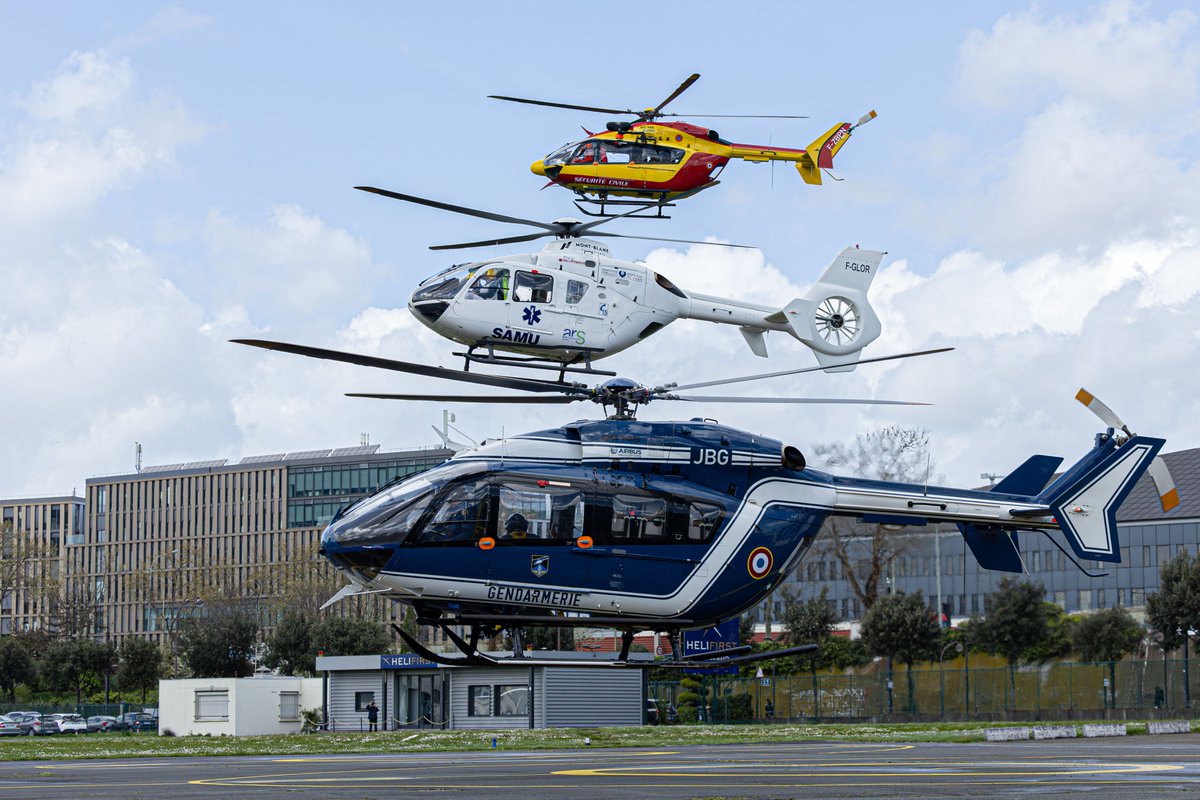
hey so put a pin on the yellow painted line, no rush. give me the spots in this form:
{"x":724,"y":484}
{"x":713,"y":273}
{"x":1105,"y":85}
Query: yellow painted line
{"x":906,"y":767}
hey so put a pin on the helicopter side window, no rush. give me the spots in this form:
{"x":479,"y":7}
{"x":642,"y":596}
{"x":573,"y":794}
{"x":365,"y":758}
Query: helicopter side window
{"x":462,"y":516}
{"x":575,"y":292}
{"x":638,"y":518}
{"x":615,"y":152}
{"x":491,"y":285}
{"x":656,"y":154}
{"x":703,"y":521}
{"x":532,"y":287}
{"x":529,"y":512}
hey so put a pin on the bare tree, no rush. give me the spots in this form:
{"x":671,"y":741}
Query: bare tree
{"x":866,"y":551}
{"x":27,"y":567}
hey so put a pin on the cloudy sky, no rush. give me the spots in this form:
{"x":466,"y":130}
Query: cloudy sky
{"x":175,"y":176}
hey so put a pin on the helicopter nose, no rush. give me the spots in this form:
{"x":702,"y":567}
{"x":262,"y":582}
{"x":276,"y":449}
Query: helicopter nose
{"x":538,"y":167}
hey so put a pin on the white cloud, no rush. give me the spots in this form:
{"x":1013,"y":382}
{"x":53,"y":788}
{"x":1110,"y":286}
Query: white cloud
{"x":1115,"y":58}
{"x":87,"y":134}
{"x":1106,"y":110}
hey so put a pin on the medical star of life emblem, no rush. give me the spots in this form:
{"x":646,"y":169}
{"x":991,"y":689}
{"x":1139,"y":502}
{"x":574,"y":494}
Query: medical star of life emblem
{"x":539,"y":565}
{"x":532,"y":315}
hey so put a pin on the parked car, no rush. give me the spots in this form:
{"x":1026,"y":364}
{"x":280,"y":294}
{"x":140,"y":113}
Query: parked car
{"x":659,"y":713}
{"x":138,"y":721}
{"x":101,"y":724}
{"x":34,"y":724}
{"x":68,"y":723}
{"x":10,"y":726}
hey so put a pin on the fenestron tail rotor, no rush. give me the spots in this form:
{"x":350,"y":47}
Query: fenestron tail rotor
{"x":1164,"y":484}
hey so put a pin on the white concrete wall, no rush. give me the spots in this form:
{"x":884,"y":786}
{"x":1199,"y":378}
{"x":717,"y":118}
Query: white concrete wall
{"x":253,"y":705}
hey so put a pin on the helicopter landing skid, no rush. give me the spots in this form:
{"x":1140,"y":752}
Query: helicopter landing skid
{"x":471,"y":655}
{"x":658,"y":199}
{"x":583,"y":354}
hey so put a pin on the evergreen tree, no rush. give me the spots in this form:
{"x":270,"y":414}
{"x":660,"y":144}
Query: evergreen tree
{"x":141,"y":665}
{"x":901,"y":627}
{"x":343,"y":636}
{"x":16,"y":666}
{"x":221,"y":643}
{"x":290,"y":648}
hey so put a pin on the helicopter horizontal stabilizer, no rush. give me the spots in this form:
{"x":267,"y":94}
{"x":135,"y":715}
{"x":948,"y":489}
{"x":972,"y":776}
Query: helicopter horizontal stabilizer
{"x":834,"y":317}
{"x":1085,"y":499}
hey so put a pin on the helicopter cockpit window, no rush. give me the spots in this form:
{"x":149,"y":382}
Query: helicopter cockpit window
{"x":444,"y":288}
{"x":492,"y":284}
{"x":533,"y":288}
{"x":540,"y":513}
{"x":559,"y":156}
{"x":575,"y":292}
{"x":462,"y":516}
{"x":638,"y":518}
{"x":585,"y":154}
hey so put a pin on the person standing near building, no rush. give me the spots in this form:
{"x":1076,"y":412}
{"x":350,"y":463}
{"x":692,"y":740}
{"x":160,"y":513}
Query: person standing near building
{"x":372,"y":716}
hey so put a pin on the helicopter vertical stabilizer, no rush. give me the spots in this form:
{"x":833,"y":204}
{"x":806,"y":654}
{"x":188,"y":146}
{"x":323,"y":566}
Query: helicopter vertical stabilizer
{"x":834,"y":317}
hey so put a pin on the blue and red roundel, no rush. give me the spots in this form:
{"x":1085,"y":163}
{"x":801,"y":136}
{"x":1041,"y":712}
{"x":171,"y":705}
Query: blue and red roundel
{"x":760,"y":562}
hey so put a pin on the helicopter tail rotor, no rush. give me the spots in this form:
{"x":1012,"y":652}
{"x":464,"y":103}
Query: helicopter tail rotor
{"x":819,"y":155}
{"x":834,"y":318}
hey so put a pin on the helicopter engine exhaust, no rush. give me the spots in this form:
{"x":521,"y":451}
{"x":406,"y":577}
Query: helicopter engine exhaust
{"x":792,"y":458}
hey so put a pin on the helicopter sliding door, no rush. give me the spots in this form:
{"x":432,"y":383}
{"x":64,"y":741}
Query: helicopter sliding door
{"x":533,"y":315}
{"x":539,"y":521}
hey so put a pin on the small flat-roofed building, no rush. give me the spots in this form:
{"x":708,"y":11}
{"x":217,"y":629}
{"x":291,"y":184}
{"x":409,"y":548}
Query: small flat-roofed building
{"x":235,"y":706}
{"x":411,"y":692}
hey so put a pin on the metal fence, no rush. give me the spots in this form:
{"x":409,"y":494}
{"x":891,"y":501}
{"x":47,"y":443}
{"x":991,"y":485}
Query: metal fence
{"x":85,"y":710}
{"x":1063,"y":690}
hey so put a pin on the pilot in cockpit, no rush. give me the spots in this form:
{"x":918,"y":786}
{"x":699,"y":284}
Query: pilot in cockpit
{"x":491,"y":285}
{"x":516,"y":527}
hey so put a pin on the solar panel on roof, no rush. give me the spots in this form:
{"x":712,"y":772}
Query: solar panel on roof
{"x":306,"y":454}
{"x":162,"y":467}
{"x":216,"y":462}
{"x":262,"y":459}
{"x":360,"y":450}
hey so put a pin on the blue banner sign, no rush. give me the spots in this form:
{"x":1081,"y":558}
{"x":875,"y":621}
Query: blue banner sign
{"x":405,"y":661}
{"x":709,"y":640}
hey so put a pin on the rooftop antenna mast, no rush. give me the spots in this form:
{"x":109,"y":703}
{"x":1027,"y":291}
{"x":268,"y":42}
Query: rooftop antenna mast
{"x":137,"y":456}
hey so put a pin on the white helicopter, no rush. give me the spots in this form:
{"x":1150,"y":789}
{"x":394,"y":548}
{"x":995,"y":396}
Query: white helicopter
{"x":573,"y":303}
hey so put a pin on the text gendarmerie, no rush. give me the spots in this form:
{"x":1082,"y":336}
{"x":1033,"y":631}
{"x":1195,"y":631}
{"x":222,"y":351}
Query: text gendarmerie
{"x":538,"y":597}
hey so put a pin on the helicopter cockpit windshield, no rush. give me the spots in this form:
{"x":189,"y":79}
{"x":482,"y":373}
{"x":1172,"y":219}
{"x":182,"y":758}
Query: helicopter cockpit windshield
{"x":388,"y":516}
{"x":561,"y":156}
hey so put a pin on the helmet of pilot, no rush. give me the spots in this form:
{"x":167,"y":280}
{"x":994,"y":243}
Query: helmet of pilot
{"x":516,"y":526}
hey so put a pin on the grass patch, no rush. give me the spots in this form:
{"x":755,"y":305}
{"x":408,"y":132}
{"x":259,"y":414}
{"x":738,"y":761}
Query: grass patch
{"x":25,"y":748}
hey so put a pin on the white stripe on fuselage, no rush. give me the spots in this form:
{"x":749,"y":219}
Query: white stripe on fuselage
{"x":716,"y":561}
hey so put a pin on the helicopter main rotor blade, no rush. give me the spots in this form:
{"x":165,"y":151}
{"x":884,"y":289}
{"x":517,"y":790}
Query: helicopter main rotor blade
{"x":571,"y":106}
{"x":803,"y":370}
{"x":683,"y":87}
{"x":468,"y":398}
{"x":471,"y":212}
{"x":529,"y":237}
{"x":679,"y":241}
{"x":522,"y":384}
{"x":802,"y":400}
{"x":742,"y":116}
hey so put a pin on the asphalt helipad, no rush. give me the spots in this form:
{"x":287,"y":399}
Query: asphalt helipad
{"x":1140,"y":767}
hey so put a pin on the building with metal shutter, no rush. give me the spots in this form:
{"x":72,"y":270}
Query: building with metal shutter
{"x":414,"y":693}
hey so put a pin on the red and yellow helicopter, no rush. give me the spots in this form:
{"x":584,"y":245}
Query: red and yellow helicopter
{"x":650,"y":158}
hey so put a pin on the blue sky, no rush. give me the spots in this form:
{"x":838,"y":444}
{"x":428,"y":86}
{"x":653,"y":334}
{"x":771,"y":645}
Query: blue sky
{"x":174,"y":176}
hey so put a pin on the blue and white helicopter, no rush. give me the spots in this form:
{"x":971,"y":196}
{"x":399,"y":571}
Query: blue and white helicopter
{"x":667,"y":526}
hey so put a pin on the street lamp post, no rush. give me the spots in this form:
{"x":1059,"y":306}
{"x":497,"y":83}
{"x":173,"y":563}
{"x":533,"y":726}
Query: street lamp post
{"x":958,"y":648}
